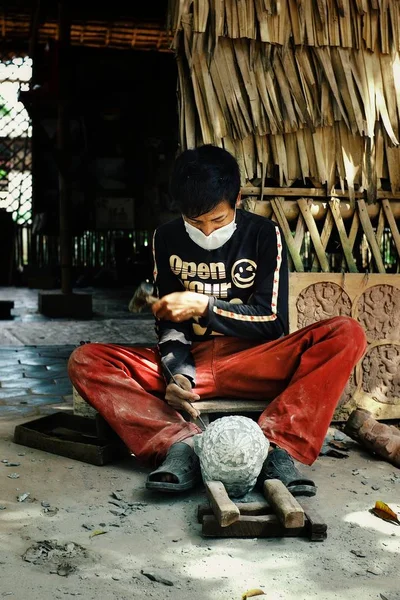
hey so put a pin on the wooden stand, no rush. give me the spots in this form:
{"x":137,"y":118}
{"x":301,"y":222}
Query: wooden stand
{"x":281,"y":515}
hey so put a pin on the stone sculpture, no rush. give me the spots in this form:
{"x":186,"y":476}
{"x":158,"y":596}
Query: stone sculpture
{"x":379,"y":312}
{"x":375,"y":302}
{"x":348,"y":391}
{"x":321,"y":301}
{"x":232,"y":450}
{"x":381,"y":373}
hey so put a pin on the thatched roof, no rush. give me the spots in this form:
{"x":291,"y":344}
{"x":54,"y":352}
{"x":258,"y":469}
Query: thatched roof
{"x":295,"y":89}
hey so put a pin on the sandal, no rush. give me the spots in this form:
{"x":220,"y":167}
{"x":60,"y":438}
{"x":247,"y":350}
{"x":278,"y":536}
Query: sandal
{"x":279,"y":465}
{"x":181,"y":462}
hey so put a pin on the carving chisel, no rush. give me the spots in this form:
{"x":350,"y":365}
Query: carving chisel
{"x":179,"y":385}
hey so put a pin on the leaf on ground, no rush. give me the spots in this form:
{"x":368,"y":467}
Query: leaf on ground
{"x":252,"y":593}
{"x":383,"y":511}
{"x":97,"y":532}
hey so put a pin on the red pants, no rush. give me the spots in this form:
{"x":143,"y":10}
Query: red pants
{"x":304,"y":375}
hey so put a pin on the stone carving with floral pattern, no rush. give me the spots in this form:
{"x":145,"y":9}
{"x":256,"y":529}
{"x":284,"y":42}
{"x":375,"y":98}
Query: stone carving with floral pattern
{"x":232,"y":450}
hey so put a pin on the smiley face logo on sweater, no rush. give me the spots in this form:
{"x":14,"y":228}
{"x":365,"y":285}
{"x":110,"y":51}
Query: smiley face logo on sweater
{"x":244,"y":273}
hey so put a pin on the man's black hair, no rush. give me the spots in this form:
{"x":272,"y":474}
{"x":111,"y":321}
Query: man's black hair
{"x":202,"y":178}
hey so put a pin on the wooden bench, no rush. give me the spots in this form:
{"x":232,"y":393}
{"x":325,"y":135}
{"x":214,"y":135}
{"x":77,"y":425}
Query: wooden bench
{"x":229,"y":406}
{"x":207,"y":408}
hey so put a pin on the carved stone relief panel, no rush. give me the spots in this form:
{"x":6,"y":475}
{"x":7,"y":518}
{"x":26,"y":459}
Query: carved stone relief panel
{"x":374,"y":300}
{"x":348,"y":391}
{"x":381,"y":373}
{"x":321,"y":301}
{"x":378,"y":310}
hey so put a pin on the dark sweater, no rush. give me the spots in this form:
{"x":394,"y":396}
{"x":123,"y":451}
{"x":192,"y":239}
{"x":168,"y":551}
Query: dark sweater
{"x":246,"y":281}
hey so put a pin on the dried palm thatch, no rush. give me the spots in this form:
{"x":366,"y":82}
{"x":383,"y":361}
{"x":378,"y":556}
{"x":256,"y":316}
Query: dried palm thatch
{"x":296,"y":89}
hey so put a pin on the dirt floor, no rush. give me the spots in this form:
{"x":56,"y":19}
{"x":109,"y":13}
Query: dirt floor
{"x":95,"y":532}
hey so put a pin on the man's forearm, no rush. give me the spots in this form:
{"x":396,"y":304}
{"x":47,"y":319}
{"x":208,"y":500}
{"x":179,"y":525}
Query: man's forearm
{"x":249,"y":321}
{"x":176,"y":358}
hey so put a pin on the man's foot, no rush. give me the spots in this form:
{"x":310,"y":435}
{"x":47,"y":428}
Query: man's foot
{"x":279,"y":465}
{"x":180,"y":470}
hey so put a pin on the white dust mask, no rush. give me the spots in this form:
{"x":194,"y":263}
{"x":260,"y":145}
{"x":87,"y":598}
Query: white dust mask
{"x":216,"y":239}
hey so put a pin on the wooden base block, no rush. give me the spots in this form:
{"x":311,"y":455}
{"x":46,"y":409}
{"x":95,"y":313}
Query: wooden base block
{"x":245,"y":508}
{"x":256,"y":520}
{"x":262,"y":526}
{"x":71,"y":436}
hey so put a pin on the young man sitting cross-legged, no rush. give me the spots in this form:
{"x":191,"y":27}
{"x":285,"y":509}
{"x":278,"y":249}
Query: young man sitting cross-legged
{"x":222,"y":323}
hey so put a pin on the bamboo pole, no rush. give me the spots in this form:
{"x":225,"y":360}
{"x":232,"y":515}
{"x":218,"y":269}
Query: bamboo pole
{"x":286,"y":192}
{"x":318,"y":208}
{"x":369,"y":234}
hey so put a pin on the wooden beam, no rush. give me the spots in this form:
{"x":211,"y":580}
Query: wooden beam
{"x":281,"y":218}
{"x":354,"y":229}
{"x":310,"y":193}
{"x":247,"y":509}
{"x":225,"y":511}
{"x":392,"y":224}
{"x":347,"y":248}
{"x":231,"y":405}
{"x":318,"y":208}
{"x":285,"y":506}
{"x":278,"y":191}
{"x":312,"y":228}
{"x":370,"y":235}
{"x":325,"y":235}
{"x":263,"y":526}
{"x":381,"y":226}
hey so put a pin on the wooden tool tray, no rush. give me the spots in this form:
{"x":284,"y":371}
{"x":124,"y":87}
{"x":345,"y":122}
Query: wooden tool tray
{"x":72,"y":436}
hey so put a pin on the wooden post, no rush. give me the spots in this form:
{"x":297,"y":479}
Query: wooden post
{"x":64,"y":32}
{"x":33,"y":47}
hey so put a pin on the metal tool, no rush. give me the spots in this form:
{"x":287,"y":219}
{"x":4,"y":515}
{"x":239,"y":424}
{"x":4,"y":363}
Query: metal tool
{"x":142,"y":297}
{"x":179,"y":385}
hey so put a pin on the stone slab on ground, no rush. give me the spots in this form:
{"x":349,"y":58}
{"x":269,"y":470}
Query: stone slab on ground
{"x":125,"y":331}
{"x":32,"y":378}
{"x":111,"y":322}
{"x":107,"y":302}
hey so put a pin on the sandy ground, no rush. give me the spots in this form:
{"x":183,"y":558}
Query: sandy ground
{"x":160,"y":536}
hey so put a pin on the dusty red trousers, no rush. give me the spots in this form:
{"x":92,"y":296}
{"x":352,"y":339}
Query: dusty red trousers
{"x":304,"y":375}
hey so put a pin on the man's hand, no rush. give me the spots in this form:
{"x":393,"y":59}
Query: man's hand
{"x":178,"y":397}
{"x":180,"y":306}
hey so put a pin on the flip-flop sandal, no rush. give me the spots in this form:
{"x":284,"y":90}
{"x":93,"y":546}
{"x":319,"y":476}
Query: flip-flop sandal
{"x":280,"y":465}
{"x":181,"y":462}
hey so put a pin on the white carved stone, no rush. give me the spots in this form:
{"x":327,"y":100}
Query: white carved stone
{"x":232,"y":450}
